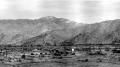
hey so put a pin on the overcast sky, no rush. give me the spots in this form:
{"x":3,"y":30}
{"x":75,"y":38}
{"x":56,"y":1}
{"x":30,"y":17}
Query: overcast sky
{"x":87,"y":11}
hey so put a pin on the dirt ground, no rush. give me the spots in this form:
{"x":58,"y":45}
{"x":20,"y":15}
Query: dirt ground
{"x":66,"y":63}
{"x":108,"y":65}
{"x":73,"y":64}
{"x":85,"y":64}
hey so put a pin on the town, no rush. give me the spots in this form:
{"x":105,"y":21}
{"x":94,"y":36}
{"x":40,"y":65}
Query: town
{"x":13,"y":55}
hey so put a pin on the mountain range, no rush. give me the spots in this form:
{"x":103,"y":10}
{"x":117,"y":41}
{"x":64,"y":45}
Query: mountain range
{"x":52,"y":31}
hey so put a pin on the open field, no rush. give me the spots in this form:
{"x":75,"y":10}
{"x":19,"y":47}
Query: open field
{"x":73,"y":64}
{"x":65,"y":63}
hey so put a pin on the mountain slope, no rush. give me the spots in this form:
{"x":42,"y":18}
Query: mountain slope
{"x":52,"y":31}
{"x":106,"y":32}
{"x":15,"y":31}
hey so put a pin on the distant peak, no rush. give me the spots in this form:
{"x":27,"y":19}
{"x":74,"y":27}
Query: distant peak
{"x":49,"y":17}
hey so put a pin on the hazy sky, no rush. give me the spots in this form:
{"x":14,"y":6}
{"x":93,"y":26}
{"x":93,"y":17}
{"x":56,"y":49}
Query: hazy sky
{"x":87,"y":11}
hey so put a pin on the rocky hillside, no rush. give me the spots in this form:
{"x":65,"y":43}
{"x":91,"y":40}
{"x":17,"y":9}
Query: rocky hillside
{"x":52,"y":31}
{"x":106,"y":32}
{"x":20,"y":30}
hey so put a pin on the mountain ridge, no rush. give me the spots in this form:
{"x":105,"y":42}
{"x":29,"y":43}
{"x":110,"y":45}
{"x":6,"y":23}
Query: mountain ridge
{"x":13,"y":31}
{"x":53,"y":31}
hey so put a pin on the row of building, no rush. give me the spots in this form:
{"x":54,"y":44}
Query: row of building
{"x":40,"y":55}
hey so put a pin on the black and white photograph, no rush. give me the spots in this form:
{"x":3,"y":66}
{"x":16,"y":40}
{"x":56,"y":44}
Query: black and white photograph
{"x":59,"y":33}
